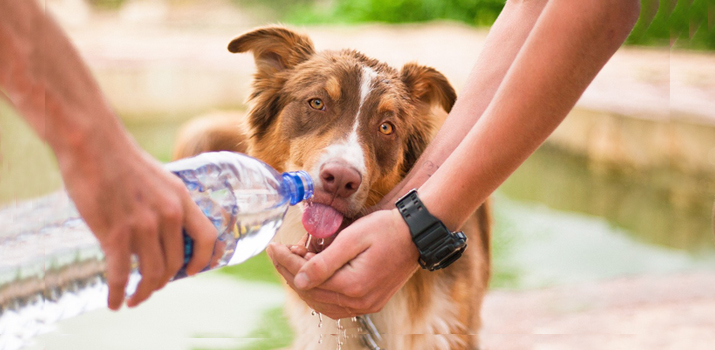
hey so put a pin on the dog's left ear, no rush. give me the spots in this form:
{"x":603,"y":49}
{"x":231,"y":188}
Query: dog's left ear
{"x":427,"y":85}
{"x":428,"y":88}
{"x":274,"y":48}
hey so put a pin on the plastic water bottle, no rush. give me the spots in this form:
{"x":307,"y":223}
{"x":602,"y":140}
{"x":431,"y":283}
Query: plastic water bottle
{"x":51,"y":265}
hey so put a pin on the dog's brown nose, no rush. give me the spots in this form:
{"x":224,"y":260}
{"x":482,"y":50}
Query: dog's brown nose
{"x":340,"y":179}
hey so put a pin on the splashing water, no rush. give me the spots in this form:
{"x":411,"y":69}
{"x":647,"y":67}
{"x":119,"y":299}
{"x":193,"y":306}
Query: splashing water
{"x":307,"y":242}
{"x":342,"y":334}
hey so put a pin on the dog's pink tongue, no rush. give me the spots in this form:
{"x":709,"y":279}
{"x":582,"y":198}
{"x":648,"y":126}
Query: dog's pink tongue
{"x":321,"y":221}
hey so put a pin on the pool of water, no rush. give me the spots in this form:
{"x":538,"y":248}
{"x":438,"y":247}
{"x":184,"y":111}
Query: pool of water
{"x":561,"y":219}
{"x":664,"y":208}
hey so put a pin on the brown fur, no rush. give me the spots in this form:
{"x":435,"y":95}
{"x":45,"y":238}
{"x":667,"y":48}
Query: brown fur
{"x":434,"y":310}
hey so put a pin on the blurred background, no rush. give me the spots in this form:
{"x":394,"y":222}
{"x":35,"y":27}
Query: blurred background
{"x":603,"y":237}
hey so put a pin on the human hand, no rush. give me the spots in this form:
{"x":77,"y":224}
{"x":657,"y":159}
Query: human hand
{"x":366,"y":264}
{"x":135,"y":207}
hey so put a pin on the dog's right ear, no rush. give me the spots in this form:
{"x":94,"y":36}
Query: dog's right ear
{"x":274,"y":48}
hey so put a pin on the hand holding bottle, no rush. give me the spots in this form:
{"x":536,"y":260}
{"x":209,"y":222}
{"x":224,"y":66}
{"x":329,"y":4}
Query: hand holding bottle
{"x":130,"y":202}
{"x":144,"y":218}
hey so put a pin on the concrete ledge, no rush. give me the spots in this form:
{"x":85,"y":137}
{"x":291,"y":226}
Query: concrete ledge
{"x":638,"y":143}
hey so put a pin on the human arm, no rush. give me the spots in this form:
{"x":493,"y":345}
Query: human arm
{"x":561,"y":52}
{"x":131,"y":204}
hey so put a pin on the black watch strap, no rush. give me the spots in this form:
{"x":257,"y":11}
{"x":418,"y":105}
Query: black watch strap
{"x":438,"y":246}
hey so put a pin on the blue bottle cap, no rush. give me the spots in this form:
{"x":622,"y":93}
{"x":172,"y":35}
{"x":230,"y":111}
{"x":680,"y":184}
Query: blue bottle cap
{"x":299,"y":185}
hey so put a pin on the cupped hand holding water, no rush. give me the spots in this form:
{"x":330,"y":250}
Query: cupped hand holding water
{"x":366,"y":264}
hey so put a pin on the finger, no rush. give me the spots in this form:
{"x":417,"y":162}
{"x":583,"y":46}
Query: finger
{"x":173,"y":246}
{"x":151,"y":264}
{"x":325,"y":302}
{"x":283,"y":256}
{"x":298,"y":249}
{"x":303,"y":241}
{"x":219,"y":249}
{"x":288,"y":264}
{"x":322,"y":266}
{"x":203,"y":233}
{"x":118,"y":268}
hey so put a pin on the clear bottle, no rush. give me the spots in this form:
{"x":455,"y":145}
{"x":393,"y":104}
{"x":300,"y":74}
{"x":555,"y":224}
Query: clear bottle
{"x":51,"y":266}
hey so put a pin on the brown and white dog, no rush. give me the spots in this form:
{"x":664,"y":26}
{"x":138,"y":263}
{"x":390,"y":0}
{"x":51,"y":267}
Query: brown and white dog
{"x":357,"y":126}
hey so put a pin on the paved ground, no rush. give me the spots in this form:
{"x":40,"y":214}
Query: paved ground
{"x":652,"y":312}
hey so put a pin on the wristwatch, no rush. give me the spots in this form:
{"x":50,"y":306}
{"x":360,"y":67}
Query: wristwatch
{"x":438,"y":246}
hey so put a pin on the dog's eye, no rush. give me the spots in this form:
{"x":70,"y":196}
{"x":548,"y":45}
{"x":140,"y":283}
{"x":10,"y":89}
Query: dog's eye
{"x":317,"y":103}
{"x":387,"y":128}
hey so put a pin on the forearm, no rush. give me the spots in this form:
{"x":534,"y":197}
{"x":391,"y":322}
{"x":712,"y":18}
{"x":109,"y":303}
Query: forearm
{"x":46,"y":80}
{"x":505,"y":39}
{"x":569,"y":44}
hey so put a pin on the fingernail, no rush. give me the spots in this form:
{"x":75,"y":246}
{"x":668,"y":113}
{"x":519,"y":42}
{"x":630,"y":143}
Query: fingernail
{"x":301,"y":281}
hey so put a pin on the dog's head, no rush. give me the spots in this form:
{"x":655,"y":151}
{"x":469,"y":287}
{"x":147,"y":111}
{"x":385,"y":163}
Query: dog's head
{"x":354,"y":123}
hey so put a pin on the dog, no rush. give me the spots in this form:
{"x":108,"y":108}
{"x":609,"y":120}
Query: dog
{"x":357,"y":126}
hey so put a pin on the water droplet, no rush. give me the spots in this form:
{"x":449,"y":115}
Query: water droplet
{"x":320,"y":320}
{"x":354,"y":319}
{"x":312,"y":312}
{"x":320,"y":340}
{"x":321,"y":242}
{"x":307,"y":242}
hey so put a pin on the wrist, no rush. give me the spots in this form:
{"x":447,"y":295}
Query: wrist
{"x":403,"y":231}
{"x":438,"y":247}
{"x":83,"y":149}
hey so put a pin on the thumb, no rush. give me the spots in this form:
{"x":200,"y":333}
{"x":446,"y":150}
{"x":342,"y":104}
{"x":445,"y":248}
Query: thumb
{"x":320,"y":268}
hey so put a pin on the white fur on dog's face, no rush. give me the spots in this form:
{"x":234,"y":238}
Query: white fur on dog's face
{"x":358,"y":99}
{"x":349,"y":151}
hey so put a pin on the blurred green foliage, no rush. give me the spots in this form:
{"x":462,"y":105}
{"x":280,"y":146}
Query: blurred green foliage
{"x":272,"y":332}
{"x":473,"y":12}
{"x":259,"y":269}
{"x":107,"y":4}
{"x":676,"y":23}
